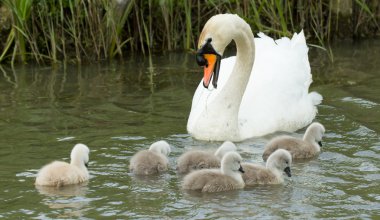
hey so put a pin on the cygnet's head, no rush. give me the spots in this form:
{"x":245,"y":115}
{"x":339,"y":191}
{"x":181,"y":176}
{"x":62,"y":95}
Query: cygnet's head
{"x":231,"y":162}
{"x":80,"y":155}
{"x":226,"y":147}
{"x":161,"y":147}
{"x":282,"y":160}
{"x":315,"y":132}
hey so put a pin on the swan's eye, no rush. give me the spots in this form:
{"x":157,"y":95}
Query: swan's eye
{"x":209,"y":40}
{"x":201,"y":60}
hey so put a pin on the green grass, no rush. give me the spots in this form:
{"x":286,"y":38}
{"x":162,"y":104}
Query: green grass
{"x":46,"y":31}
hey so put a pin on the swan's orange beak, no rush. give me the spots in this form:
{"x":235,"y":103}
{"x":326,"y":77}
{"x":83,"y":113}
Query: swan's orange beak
{"x":210,"y":59}
{"x":209,"y":69}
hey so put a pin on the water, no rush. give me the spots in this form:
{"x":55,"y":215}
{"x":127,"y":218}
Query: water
{"x":122,"y":107}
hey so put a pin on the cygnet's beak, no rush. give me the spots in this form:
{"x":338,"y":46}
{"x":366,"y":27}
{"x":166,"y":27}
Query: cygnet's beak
{"x":320,"y":143}
{"x":86,"y":164}
{"x":241,"y":169}
{"x":288,"y":172}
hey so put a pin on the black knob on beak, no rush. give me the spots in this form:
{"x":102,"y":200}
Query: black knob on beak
{"x":201,"y":60}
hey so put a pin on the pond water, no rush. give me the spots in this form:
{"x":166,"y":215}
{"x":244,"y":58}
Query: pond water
{"x":119,"y":108}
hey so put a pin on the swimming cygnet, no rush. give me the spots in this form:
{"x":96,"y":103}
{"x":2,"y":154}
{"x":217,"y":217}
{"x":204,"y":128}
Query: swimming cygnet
{"x":228,"y":177}
{"x":278,"y":163}
{"x":60,"y":173}
{"x":198,"y":159}
{"x":308,"y":147}
{"x":152,"y":161}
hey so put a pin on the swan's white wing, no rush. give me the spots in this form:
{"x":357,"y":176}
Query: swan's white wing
{"x":277,"y":97}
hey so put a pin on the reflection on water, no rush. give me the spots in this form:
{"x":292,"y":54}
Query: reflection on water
{"x":70,"y":200}
{"x":119,"y":108}
{"x":66,"y":191}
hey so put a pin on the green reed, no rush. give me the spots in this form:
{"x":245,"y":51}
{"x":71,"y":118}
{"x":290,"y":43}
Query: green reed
{"x":17,"y":36}
{"x":77,"y":30}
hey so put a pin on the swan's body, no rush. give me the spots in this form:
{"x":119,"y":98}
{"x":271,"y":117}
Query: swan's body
{"x":152,"y":161}
{"x":278,"y":163}
{"x":198,"y":159}
{"x":307,"y":147}
{"x":262,"y":90}
{"x":228,"y":177}
{"x":60,"y":173}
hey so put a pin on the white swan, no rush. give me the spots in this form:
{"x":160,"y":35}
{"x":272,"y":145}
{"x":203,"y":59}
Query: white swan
{"x":59,"y":173}
{"x":240,"y":105}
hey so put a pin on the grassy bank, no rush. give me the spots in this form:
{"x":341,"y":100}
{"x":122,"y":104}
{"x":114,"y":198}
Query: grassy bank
{"x":76,"y":31}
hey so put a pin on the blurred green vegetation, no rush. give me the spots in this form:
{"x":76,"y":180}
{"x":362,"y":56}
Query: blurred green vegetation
{"x":76,"y":30}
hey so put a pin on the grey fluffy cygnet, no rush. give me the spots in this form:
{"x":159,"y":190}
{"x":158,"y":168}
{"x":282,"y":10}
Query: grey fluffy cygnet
{"x":277,"y":164}
{"x":308,"y":147}
{"x":152,"y":161}
{"x":59,"y":173}
{"x":228,"y":177}
{"x":198,"y":159}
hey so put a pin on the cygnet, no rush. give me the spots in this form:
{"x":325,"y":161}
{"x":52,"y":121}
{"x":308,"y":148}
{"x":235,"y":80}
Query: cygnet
{"x":228,"y":177}
{"x":198,"y":159}
{"x":152,"y":161}
{"x":278,"y":163}
{"x":308,"y":147}
{"x":60,"y":173}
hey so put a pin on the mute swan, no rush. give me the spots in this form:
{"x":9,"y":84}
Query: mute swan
{"x":278,"y":163}
{"x":228,"y":177}
{"x":198,"y":159}
{"x":237,"y":104}
{"x":308,"y":147}
{"x":60,"y":173}
{"x":152,"y":161}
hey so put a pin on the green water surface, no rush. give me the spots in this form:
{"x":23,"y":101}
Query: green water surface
{"x":119,"y":108}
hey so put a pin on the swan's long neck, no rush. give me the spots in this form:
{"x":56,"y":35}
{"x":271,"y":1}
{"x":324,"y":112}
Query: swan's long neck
{"x":219,"y":119}
{"x":241,"y":72}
